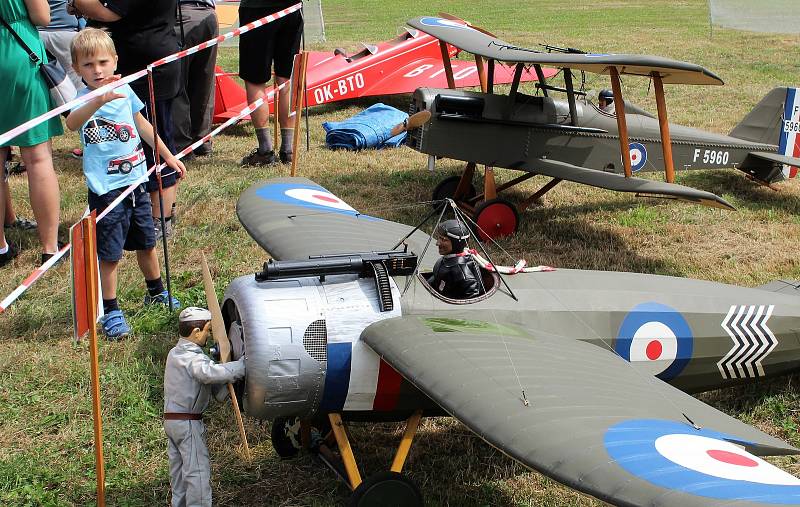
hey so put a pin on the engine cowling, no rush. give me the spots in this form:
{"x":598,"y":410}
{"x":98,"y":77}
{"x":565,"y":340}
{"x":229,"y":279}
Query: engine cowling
{"x":283,"y":328}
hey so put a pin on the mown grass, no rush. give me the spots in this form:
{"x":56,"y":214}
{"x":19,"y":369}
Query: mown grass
{"x":46,"y":454}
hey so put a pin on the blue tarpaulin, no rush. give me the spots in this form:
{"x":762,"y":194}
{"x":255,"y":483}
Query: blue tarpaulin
{"x":371,"y":128}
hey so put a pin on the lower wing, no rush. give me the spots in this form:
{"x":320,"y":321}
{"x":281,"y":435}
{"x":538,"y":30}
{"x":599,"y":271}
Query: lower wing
{"x":584,"y":416}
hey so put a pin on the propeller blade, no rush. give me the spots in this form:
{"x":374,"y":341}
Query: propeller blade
{"x":221,"y":336}
{"x":217,"y":323}
{"x":416,"y":120}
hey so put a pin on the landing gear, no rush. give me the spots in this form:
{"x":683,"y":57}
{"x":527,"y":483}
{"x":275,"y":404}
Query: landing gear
{"x":447,"y":188}
{"x":387,"y":489}
{"x":495,"y":218}
{"x":285,"y":436}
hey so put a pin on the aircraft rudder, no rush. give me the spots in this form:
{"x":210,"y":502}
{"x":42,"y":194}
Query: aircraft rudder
{"x":765,"y":122}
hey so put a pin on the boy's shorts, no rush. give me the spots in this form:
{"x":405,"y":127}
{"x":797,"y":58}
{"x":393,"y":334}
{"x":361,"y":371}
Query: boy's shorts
{"x":276,"y":42}
{"x":128,"y":226}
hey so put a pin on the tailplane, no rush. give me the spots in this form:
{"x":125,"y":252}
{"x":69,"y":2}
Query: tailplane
{"x":775,"y":120}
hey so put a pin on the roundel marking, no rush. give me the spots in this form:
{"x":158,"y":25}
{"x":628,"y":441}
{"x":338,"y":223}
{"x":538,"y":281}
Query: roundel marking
{"x":657,"y":338}
{"x":444,"y":23}
{"x":701,"y":462}
{"x":312,"y":197}
{"x":638,"y":156}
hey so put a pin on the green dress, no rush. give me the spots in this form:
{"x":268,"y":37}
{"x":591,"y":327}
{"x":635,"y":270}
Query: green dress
{"x":23,"y":91}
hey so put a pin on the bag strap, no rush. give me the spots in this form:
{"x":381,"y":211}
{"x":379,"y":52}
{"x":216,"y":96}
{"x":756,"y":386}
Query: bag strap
{"x":34,"y":58}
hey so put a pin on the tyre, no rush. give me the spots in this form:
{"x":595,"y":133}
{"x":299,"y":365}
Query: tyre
{"x":387,"y":489}
{"x":496,"y":218}
{"x":124,"y":135}
{"x":446,"y":189}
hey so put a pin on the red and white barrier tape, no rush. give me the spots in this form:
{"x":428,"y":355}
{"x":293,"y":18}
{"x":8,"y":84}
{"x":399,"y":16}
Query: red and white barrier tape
{"x":11,"y":134}
{"x":38,"y":272}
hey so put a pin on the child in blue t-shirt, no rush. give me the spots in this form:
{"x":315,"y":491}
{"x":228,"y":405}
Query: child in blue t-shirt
{"x":112,"y":130}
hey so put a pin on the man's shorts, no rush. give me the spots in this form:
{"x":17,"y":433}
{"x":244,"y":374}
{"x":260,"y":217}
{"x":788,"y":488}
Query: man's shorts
{"x":275,"y":42}
{"x":128,"y":226}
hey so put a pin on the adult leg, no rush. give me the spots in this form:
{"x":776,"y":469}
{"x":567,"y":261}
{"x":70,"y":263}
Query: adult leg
{"x":201,"y":92}
{"x":58,"y":44}
{"x":44,"y":193}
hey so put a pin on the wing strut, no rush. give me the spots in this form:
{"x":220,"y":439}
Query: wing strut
{"x":622,"y":124}
{"x":663,"y":124}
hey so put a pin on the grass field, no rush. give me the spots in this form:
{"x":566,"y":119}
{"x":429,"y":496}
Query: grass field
{"x":46,"y":453}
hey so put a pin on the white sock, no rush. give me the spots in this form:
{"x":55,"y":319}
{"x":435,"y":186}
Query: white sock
{"x":4,"y":250}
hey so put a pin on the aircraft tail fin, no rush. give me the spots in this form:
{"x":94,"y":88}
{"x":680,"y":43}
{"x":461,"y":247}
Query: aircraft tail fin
{"x":774,"y":120}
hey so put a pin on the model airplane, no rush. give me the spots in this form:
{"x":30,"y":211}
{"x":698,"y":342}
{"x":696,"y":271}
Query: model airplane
{"x":581,"y":375}
{"x":575,"y":140}
{"x":401,"y":65}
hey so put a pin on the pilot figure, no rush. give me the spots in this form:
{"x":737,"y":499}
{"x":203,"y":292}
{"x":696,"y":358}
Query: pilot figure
{"x":190,"y":377}
{"x":605,"y":100}
{"x":455,"y":275}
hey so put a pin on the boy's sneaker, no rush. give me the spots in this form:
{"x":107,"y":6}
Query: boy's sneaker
{"x":162,"y":299}
{"x":254,"y":159}
{"x":114,"y":325}
{"x":7,"y":257}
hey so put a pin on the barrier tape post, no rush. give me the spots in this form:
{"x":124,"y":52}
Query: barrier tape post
{"x":90,"y":266}
{"x":157,"y":159}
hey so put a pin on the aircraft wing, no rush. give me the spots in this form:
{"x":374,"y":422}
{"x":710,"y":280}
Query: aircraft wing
{"x":473,"y":41}
{"x":619,"y":183}
{"x":592,"y":422}
{"x":292,"y":218}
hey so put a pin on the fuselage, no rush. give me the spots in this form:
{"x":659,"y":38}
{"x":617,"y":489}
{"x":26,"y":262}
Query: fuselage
{"x":304,"y":353}
{"x":488,"y":129}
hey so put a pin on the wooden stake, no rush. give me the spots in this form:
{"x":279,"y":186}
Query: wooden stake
{"x":300,"y":98}
{"x":276,"y":106}
{"x":663,"y":124}
{"x":622,"y":124}
{"x":90,"y":263}
{"x":221,"y":335}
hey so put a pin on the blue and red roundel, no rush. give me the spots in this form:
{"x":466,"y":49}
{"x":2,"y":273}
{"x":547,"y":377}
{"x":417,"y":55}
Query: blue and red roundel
{"x":444,"y":23}
{"x":638,"y":156}
{"x":700,"y":462}
{"x":312,"y":197}
{"x":657,"y":338}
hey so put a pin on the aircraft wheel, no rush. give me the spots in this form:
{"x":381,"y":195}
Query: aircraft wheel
{"x":285,"y":436}
{"x":387,"y":489}
{"x":496,"y":218}
{"x":446,"y":189}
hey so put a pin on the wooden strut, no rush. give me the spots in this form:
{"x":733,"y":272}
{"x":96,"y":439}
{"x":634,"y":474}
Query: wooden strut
{"x":481,"y":73}
{"x":506,"y":185}
{"x":465,"y":181}
{"x":300,"y":98}
{"x":622,"y":124}
{"x":346,"y":451}
{"x":448,"y":68}
{"x":276,"y":106}
{"x":538,"y":194}
{"x":90,"y":264}
{"x":663,"y":124}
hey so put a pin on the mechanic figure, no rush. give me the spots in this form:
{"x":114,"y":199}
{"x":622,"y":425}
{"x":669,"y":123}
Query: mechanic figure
{"x":455,"y":275}
{"x":190,"y":377}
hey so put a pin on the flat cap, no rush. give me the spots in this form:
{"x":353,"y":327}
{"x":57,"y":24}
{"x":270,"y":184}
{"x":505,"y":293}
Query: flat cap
{"x":194,"y":313}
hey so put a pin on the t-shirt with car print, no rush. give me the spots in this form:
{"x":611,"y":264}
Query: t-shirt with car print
{"x":112,"y":149}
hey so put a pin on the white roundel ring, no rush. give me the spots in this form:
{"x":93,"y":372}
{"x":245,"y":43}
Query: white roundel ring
{"x":319,"y":197}
{"x":638,"y":156}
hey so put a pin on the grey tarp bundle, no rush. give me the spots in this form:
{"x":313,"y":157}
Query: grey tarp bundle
{"x":371,"y":128}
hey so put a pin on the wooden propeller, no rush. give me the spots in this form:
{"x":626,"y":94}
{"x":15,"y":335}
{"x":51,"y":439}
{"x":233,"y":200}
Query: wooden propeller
{"x":221,"y":336}
{"x":417,"y":119}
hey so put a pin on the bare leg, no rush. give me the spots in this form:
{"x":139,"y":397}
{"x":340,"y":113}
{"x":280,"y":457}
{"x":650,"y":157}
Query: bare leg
{"x":148,"y":263}
{"x":108,"y":278}
{"x":260,"y":116}
{"x":43,"y":191}
{"x":284,"y":96}
{"x":169,"y":195}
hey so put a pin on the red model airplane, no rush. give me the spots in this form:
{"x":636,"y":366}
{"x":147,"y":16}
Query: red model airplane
{"x":407,"y":62}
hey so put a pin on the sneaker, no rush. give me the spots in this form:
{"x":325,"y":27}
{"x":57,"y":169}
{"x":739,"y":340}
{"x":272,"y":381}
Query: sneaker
{"x":204,"y":150}
{"x":77,"y":153}
{"x":22,"y":224}
{"x":254,"y":158}
{"x":13,"y":251}
{"x":286,"y":157}
{"x":114,"y":325}
{"x":162,"y":299}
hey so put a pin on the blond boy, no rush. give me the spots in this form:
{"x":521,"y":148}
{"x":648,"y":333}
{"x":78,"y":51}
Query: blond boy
{"x":111,"y":129}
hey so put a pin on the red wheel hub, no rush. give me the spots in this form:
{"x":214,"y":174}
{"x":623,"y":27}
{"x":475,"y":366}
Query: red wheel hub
{"x":496,"y":220}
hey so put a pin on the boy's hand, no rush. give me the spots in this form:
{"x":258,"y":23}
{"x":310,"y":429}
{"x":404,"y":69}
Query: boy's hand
{"x":177,"y":166}
{"x":109,"y":95}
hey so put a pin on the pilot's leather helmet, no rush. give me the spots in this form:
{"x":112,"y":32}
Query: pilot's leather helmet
{"x":606,"y":95}
{"x":456,"y":231}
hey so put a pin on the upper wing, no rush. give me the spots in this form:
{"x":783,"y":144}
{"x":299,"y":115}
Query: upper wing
{"x":620,"y":183}
{"x":473,"y":41}
{"x":292,"y":218}
{"x":593,"y":422}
